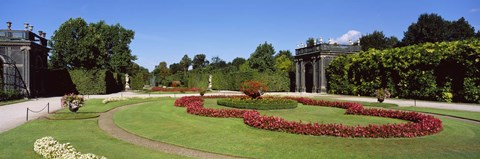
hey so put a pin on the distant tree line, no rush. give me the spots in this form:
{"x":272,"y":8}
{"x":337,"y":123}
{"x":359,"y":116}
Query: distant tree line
{"x":263,"y":60}
{"x":428,"y":28}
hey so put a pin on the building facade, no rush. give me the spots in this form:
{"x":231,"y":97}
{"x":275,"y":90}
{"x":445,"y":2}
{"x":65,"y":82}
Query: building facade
{"x":23,"y":55}
{"x":311,"y":63}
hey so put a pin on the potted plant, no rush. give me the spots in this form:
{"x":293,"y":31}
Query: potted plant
{"x":72,"y":101}
{"x":202,"y":91}
{"x":381,"y":94}
{"x":253,"y":89}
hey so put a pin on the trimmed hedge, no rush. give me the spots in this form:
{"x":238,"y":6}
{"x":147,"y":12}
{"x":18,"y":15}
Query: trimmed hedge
{"x":258,"y":104}
{"x":61,"y":82}
{"x":227,"y":80}
{"x":425,"y":71}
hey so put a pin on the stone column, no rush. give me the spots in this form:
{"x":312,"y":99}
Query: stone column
{"x":303,"y":88}
{"x":315,"y":74}
{"x":323,"y":82}
{"x":297,"y":75}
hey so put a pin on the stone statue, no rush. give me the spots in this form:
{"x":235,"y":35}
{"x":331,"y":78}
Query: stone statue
{"x":209,"y":82}
{"x":127,"y":82}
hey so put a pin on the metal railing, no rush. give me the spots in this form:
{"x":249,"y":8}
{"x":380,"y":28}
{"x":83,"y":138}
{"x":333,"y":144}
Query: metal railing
{"x":47,"y":106}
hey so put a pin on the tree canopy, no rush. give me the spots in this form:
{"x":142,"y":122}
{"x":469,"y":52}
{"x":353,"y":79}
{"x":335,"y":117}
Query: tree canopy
{"x":262,"y":59}
{"x":433,"y":28}
{"x":378,"y":40}
{"x":77,"y":44}
{"x":199,"y":61}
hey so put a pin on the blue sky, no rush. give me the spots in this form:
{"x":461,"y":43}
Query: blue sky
{"x":167,"y":30}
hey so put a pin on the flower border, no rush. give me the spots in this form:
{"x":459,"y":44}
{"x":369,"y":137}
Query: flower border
{"x":419,"y":125}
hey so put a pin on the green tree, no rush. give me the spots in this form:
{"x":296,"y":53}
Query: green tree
{"x":262,"y":59}
{"x":185,"y":63}
{"x":68,"y":44}
{"x":217,"y":63}
{"x":429,"y":28}
{"x":378,"y":40}
{"x":460,"y":30}
{"x":199,"y":61}
{"x":284,"y":63}
{"x":77,"y":44}
{"x":238,"y":61}
{"x":287,"y":53}
{"x":310,"y":42}
{"x":175,"y":68}
{"x":161,"y":72}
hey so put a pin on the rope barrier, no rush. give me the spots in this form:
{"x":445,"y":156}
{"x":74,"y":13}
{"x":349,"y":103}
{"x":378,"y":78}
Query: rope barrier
{"x":33,"y":111}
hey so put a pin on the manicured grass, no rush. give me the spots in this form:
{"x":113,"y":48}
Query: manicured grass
{"x":93,"y":107}
{"x":162,"y":121}
{"x":12,"y":101}
{"x":84,"y":135}
{"x":456,"y":113}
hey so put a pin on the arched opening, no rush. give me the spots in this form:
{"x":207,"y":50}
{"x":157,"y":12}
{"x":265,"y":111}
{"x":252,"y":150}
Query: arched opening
{"x":308,"y":77}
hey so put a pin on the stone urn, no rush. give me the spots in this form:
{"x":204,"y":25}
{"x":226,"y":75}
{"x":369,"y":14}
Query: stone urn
{"x":73,"y":107}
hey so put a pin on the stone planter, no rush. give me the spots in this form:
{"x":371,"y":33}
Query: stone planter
{"x":73,"y":107}
{"x":380,"y":100}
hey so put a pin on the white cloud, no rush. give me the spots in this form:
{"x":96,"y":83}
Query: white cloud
{"x":474,"y":10}
{"x":350,"y":35}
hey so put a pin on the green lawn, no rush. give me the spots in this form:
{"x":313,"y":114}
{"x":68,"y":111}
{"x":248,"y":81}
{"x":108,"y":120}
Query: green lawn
{"x":455,"y":113}
{"x":162,"y":121}
{"x":84,"y":135}
{"x":93,"y":107}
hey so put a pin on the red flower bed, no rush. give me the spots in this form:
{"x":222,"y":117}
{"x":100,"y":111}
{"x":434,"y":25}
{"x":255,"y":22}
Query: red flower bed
{"x":174,"y":89}
{"x":420,"y":124}
{"x":194,"y":105}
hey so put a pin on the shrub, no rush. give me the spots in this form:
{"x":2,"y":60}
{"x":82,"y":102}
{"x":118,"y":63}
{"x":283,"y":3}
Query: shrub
{"x":417,"y":71}
{"x":260,"y":104}
{"x":253,"y":89}
{"x":9,"y":95}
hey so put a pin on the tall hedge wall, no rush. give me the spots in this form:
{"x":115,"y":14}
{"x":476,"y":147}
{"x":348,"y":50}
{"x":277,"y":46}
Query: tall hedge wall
{"x":226,"y":80}
{"x":61,"y":82}
{"x":431,"y":71}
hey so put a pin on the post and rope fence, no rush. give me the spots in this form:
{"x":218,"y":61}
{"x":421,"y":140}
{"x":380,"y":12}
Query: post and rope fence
{"x":47,"y":107}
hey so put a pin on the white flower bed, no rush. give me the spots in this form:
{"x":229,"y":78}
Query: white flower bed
{"x":48,"y":147}
{"x":113,"y":99}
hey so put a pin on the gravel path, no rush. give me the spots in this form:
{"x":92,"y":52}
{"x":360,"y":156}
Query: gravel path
{"x":106,"y":123}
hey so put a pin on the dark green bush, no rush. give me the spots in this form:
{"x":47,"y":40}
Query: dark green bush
{"x":425,"y":71}
{"x":6,"y":95}
{"x":259,"y":104}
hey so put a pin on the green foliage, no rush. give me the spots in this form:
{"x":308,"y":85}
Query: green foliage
{"x":433,"y":28}
{"x":275,"y":81}
{"x":259,"y":104}
{"x":377,"y":40}
{"x":6,"y":95}
{"x":310,"y":42}
{"x":237,"y":62}
{"x":78,"y":45}
{"x":262,"y":59}
{"x":95,"y":81}
{"x":284,"y":64}
{"x":217,"y":63}
{"x":139,"y":77}
{"x":420,"y":71}
{"x":199,"y":61}
{"x":161,"y":72}
{"x":197,"y":79}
